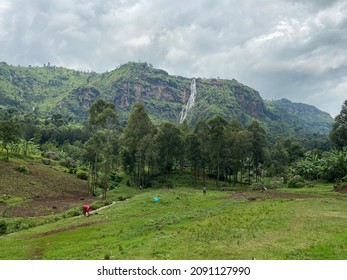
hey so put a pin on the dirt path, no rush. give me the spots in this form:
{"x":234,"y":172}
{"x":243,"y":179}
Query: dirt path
{"x":54,"y":231}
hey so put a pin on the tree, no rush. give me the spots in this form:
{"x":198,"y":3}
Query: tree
{"x":216,"y":141}
{"x":202,"y":132}
{"x":279,"y":158}
{"x":92,"y":155}
{"x":235,"y":149}
{"x":57,"y":119}
{"x":335,"y":165}
{"x":258,"y":145}
{"x":168,"y":143}
{"x":192,"y":145}
{"x":103,"y":120}
{"x":338,"y":135}
{"x":10,"y":133}
{"x":136,"y":140}
{"x":294,"y":149}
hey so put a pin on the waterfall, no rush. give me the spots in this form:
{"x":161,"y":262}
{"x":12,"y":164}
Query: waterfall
{"x":190,"y":103}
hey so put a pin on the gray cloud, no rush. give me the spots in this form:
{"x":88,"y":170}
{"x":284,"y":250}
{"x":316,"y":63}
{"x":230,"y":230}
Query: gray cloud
{"x":289,"y":48}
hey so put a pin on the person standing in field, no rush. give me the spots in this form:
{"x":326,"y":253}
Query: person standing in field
{"x":204,"y":189}
{"x":86,"y":209}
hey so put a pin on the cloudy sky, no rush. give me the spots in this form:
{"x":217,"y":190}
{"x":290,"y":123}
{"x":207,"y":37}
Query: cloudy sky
{"x":284,"y":49}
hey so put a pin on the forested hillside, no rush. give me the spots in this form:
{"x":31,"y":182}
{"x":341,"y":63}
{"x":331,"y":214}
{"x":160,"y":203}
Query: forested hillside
{"x":54,"y":90}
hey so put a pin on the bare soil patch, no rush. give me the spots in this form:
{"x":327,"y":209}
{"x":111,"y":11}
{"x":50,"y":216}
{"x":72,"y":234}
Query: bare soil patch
{"x":342,"y":188}
{"x":46,"y":206}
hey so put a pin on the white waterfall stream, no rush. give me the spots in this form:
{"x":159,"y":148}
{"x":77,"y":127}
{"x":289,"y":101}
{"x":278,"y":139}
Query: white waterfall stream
{"x":190,"y":103}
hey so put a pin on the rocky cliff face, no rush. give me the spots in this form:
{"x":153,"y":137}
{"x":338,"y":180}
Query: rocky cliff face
{"x":298,"y":108}
{"x":299,"y":115}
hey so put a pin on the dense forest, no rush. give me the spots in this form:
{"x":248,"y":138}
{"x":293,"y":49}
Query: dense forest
{"x":103,"y":149}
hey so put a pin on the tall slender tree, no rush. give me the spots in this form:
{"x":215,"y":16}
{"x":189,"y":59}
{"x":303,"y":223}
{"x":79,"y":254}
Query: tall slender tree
{"x":202,"y":132}
{"x":103,"y":120}
{"x":338,"y":134}
{"x":168,"y":142}
{"x":136,"y":140}
{"x":258,"y":146}
{"x":193,"y":154}
{"x":216,"y":141}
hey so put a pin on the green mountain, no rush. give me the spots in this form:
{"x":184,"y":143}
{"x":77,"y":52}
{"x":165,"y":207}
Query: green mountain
{"x":51,"y":90}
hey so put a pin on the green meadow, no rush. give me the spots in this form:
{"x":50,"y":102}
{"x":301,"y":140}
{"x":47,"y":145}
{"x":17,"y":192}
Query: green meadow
{"x":307,"y":223}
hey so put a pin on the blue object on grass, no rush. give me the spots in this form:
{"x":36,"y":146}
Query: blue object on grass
{"x":156,"y":199}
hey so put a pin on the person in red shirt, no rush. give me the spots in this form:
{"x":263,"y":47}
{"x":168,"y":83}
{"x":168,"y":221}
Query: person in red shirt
{"x":86,"y":209}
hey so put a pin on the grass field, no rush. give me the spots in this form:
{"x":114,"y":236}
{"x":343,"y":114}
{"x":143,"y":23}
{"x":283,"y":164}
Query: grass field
{"x":308,"y":223}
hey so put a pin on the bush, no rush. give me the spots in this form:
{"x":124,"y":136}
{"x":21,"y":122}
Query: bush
{"x":257,"y":186}
{"x":23,"y":169}
{"x":46,"y":161}
{"x":264,"y":186}
{"x":3,"y":227}
{"x":296,"y":182}
{"x":51,"y":155}
{"x":68,"y":162}
{"x":82,"y":174}
{"x":98,"y":204}
{"x":72,"y":213}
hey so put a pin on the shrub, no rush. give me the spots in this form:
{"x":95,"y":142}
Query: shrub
{"x":68,"y":162}
{"x":23,"y":169}
{"x":299,"y":185}
{"x":51,"y":155}
{"x":296,"y":182}
{"x":46,"y":161}
{"x":82,"y":174}
{"x":3,"y":227}
{"x":257,"y":186}
{"x":72,"y":213}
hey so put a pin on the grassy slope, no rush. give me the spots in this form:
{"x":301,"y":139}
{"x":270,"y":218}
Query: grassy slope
{"x":42,"y":180}
{"x":46,"y":190}
{"x":184,"y":224}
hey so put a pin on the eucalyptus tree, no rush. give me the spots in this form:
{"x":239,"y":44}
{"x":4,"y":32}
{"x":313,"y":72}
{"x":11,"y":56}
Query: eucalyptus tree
{"x":259,"y":144}
{"x":241,"y":147}
{"x":201,"y":130}
{"x":136,"y":140}
{"x":169,"y":146}
{"x":103,"y":121}
{"x":216,"y":141}
{"x":93,"y":156}
{"x":338,"y":134}
{"x":193,"y":154}
{"x":233,"y":148}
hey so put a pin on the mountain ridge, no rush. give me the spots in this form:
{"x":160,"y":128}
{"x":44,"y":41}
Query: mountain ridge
{"x":71,"y":93}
